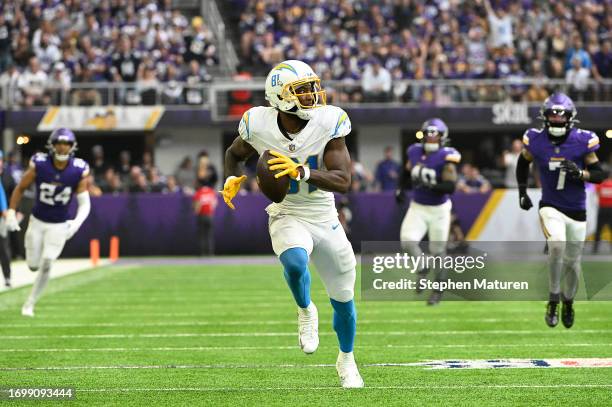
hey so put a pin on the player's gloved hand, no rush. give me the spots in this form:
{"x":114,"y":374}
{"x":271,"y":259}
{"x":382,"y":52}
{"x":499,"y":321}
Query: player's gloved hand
{"x":12,"y":224}
{"x":571,"y":168}
{"x":524,"y":200}
{"x":400,"y":196}
{"x":284,"y":163}
{"x":72,"y":229}
{"x":231,"y":188}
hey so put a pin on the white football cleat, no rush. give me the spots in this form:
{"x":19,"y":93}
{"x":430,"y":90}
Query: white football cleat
{"x":348,"y":372}
{"x":27,"y":310}
{"x":308,"y":328}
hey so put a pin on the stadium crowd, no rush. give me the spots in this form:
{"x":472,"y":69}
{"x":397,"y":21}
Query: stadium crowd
{"x":369,"y":44}
{"x":47,"y":45}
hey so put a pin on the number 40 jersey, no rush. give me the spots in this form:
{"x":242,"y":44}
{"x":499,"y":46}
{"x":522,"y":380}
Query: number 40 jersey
{"x":433,"y":165}
{"x":558,"y":190}
{"x":54,"y":188}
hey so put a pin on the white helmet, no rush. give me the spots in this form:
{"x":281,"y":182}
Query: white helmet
{"x":283,"y":83}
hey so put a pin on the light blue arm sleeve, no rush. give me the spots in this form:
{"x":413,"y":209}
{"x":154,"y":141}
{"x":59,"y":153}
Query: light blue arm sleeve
{"x":3,"y":203}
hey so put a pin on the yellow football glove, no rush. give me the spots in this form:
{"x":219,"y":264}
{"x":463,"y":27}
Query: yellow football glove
{"x":284,"y":163}
{"x":231,"y":188}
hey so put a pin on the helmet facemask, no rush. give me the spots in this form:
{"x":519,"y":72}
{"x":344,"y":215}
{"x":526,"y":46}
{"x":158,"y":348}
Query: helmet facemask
{"x":62,"y":157}
{"x":431,"y":140}
{"x":299,"y":90}
{"x":558,"y":122}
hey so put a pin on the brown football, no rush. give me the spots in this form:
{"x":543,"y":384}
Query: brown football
{"x":275,"y":189}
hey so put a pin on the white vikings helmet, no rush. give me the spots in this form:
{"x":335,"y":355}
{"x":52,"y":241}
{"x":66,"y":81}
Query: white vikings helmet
{"x":291,"y":80}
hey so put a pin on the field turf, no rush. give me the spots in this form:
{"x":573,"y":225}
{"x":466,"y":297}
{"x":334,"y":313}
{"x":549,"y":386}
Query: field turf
{"x":226,"y":335}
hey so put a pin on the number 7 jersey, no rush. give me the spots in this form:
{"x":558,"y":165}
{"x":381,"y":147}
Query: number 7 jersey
{"x":259,"y":128}
{"x":558,"y":190}
{"x":54,"y":188}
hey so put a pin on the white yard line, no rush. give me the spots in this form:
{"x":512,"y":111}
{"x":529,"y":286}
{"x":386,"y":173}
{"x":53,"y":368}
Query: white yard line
{"x":272,"y":334}
{"x":215,"y":348}
{"x":338,"y":388}
{"x":273,"y":322}
{"x":604,"y":363}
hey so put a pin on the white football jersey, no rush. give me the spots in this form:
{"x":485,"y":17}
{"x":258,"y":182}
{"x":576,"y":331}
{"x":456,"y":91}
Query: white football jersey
{"x":259,"y":128}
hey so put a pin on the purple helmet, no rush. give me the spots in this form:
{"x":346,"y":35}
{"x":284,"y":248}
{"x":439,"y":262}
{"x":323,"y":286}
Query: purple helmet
{"x":558,"y":112}
{"x":434,"y":128}
{"x":64,"y":135}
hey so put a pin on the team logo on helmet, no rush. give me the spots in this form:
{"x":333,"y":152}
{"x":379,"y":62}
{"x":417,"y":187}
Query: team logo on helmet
{"x":293,"y":87}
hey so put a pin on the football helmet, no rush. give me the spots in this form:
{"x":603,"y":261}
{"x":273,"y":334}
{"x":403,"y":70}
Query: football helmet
{"x":64,"y":135}
{"x":558,"y":112}
{"x":435,"y":134}
{"x":293,"y":87}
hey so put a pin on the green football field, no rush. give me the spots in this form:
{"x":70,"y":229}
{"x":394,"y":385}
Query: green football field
{"x":226,"y":335}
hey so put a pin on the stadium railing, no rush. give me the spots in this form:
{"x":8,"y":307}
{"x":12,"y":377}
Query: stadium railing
{"x":218,"y":95}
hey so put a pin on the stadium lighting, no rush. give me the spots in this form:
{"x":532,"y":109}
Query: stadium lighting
{"x":609,"y":133}
{"x":419,"y":134}
{"x":23,"y":140}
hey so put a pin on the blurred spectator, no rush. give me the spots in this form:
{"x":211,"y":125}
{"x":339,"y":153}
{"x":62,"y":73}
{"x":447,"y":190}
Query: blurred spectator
{"x":172,"y":93}
{"x":9,"y":80}
{"x":194,"y":94}
{"x":86,"y":96}
{"x":361,"y":177}
{"x":156,"y":181}
{"x":58,"y":84}
{"x":577,"y":52}
{"x":32,"y":83}
{"x":5,"y":43}
{"x":376,"y":83}
{"x":185,"y":174}
{"x":199,"y":44}
{"x":509,"y":160}
{"x":47,"y":52}
{"x":500,"y":26}
{"x":577,"y":79}
{"x":602,"y":60}
{"x":171,"y":186}
{"x":138,"y":181}
{"x":125,"y":165}
{"x":472,"y":181}
{"x":125,"y":64}
{"x":97,"y":164}
{"x":147,"y":85}
{"x":206,"y":174}
{"x":387,"y":172}
{"x":204,"y":205}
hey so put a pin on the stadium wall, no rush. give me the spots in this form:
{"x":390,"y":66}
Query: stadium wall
{"x":157,"y":224}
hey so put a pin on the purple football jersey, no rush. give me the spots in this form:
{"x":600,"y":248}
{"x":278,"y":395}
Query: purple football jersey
{"x":433,"y":164}
{"x":55,"y":188}
{"x":558,"y":190}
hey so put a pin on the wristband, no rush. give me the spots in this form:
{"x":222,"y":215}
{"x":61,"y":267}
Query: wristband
{"x":306,"y":176}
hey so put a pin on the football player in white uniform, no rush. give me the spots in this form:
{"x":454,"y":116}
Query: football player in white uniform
{"x":307,"y":138}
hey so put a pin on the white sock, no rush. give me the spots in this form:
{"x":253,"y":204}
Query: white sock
{"x":40,"y":283}
{"x":310,"y":308}
{"x":346,"y":357}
